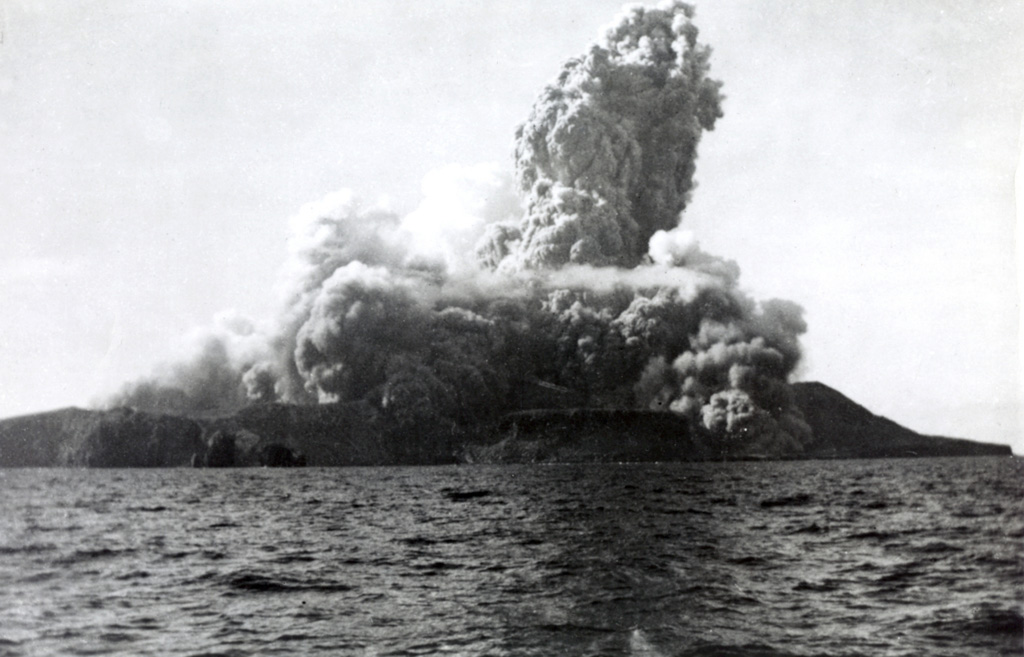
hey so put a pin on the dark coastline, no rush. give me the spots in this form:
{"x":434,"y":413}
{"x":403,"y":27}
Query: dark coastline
{"x":353,"y":435}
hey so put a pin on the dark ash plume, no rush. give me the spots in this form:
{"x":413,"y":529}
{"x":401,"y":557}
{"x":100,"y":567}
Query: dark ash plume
{"x":586,"y":294}
{"x":607,"y":156}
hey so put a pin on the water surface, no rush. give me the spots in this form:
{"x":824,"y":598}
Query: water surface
{"x":899,"y":557}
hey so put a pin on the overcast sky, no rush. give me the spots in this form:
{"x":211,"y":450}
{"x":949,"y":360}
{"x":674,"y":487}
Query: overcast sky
{"x":152,"y":152}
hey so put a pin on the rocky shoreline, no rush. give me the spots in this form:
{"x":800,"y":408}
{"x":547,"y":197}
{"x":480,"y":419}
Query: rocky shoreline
{"x":333,"y":435}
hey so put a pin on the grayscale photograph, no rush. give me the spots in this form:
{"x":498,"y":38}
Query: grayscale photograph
{"x":522,"y":328}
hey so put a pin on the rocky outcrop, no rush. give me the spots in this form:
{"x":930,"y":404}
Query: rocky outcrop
{"x":273,"y":435}
{"x":276,"y":455}
{"x":119,"y":438}
{"x":220,"y":451}
{"x":345,"y":434}
{"x":131,"y":439}
{"x":226,"y":449}
{"x":44,"y":439}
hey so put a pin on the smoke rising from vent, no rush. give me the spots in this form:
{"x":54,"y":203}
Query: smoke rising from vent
{"x":569,"y":284}
{"x":608,"y":154}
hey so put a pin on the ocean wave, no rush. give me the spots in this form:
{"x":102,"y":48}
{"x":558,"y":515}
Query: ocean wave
{"x":251,"y":582}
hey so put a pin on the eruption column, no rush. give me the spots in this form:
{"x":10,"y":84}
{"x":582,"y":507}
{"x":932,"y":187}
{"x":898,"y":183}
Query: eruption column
{"x":608,"y":153}
{"x":591,"y":296}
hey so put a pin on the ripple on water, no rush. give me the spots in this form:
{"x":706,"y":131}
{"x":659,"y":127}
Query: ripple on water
{"x":845,"y":558}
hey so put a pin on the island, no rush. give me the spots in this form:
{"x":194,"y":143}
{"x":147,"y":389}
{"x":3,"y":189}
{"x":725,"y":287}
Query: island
{"x":356,"y":434}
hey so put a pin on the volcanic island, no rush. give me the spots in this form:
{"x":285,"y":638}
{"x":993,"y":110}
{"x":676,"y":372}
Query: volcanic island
{"x":570,"y":317}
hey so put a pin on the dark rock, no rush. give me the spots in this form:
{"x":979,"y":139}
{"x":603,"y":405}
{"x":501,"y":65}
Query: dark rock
{"x":340,"y":434}
{"x":276,"y":455}
{"x":359,"y":434}
{"x":221,"y":451}
{"x":589,"y":436}
{"x":126,"y":438}
{"x":44,"y":439}
{"x":119,"y":438}
{"x":845,"y":429}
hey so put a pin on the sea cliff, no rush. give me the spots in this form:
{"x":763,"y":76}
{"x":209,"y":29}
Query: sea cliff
{"x":358,"y":434}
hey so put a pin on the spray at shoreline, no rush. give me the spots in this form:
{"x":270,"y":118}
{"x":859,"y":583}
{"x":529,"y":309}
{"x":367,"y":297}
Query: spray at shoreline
{"x":567,"y":283}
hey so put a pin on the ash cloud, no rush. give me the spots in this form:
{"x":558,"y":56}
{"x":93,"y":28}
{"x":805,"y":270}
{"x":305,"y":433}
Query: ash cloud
{"x":209,"y":374}
{"x":570,"y":283}
{"x":607,"y":155}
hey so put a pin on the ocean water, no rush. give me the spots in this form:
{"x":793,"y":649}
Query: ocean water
{"x":897,"y":557}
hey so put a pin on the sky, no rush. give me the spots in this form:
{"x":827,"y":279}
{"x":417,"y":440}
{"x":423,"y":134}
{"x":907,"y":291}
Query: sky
{"x":865,"y":167}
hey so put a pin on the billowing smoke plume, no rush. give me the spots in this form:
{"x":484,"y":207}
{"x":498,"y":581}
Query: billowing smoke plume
{"x":608,"y":154}
{"x":583,"y":291}
{"x":209,"y":374}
